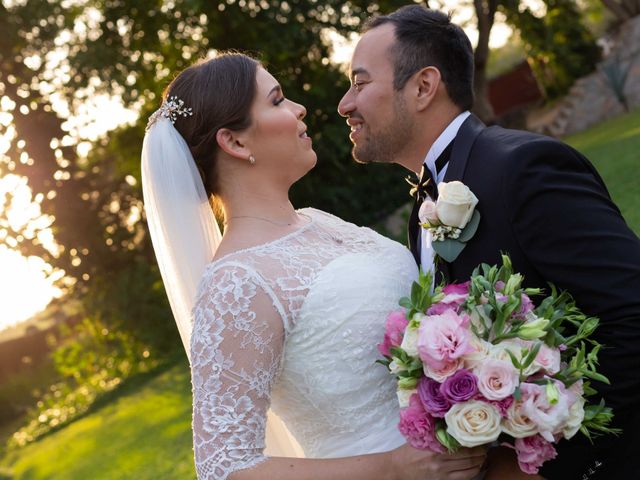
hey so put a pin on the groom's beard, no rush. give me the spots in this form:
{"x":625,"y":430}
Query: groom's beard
{"x":384,"y":145}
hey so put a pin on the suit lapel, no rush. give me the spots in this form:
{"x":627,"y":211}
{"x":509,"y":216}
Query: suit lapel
{"x":462,"y":144}
{"x":460,"y":152}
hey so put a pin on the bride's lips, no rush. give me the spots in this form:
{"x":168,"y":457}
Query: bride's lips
{"x":303,"y":135}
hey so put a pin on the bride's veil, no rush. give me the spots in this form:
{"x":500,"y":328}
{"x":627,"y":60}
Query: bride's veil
{"x":185,"y":234}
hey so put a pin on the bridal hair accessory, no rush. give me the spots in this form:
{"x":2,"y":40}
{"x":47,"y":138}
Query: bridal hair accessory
{"x":252,"y":160}
{"x":172,"y":108}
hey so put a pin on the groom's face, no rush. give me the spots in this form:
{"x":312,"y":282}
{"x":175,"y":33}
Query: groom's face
{"x":377,"y":114}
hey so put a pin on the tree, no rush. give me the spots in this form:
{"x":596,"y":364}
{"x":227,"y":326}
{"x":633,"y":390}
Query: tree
{"x":559,"y":46}
{"x":623,"y":9}
{"x":131,"y":50}
{"x":485,"y":13}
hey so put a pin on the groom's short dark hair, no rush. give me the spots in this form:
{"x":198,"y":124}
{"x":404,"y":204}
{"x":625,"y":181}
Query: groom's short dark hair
{"x":425,"y":38}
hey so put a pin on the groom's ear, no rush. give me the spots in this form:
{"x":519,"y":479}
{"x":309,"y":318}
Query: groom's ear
{"x":232,"y":143}
{"x":426,"y":86}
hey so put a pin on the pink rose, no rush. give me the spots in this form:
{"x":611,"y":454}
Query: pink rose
{"x":549,"y":418}
{"x":497,"y":379}
{"x":418,"y":427}
{"x":443,"y":339}
{"x":533,"y":452}
{"x":455,"y":295}
{"x":427,"y":212}
{"x":394,"y":331}
{"x":457,"y":289}
{"x":440,"y":374}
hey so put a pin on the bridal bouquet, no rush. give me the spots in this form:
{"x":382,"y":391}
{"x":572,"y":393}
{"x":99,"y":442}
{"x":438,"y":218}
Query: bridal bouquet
{"x":478,"y":363}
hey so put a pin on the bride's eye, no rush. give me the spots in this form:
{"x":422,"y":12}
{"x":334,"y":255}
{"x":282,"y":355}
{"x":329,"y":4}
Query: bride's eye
{"x":278,"y":101}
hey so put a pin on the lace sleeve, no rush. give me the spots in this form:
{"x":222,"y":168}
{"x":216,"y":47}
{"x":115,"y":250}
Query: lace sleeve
{"x":236,"y":348}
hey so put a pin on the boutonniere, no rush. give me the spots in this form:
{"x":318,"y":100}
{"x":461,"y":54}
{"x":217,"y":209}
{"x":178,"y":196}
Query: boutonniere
{"x":452,"y":219}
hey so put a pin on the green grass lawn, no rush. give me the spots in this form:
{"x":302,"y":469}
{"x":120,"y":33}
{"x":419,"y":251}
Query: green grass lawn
{"x":614,"y":149}
{"x":144,"y":434}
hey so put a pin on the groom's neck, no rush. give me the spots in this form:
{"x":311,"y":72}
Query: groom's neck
{"x":428,"y":126}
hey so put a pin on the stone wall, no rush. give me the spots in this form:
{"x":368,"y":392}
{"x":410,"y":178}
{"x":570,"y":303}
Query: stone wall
{"x":591,"y":99}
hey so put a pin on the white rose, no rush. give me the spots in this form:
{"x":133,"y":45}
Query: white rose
{"x":473,"y":423}
{"x":516,"y":423}
{"x":576,"y":415}
{"x":404,"y":395}
{"x":455,"y":204}
{"x":410,"y":341}
{"x":427,"y":212}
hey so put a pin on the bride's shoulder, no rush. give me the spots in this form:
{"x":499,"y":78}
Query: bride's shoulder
{"x":230,"y":270}
{"x":324,"y":217}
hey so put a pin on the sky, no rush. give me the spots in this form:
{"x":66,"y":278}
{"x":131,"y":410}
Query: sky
{"x":24,"y":288}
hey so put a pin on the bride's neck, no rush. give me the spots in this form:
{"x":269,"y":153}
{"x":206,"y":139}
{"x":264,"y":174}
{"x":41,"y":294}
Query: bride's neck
{"x":245,"y":201}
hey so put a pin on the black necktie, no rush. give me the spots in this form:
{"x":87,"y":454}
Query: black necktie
{"x":426,"y":186}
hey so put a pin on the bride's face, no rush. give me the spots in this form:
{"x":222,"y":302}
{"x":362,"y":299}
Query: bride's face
{"x":277,"y":136}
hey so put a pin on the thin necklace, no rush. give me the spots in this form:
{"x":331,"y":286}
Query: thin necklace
{"x":260,"y":218}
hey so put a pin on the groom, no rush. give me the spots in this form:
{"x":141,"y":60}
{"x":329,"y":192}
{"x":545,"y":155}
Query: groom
{"x":539,"y":200}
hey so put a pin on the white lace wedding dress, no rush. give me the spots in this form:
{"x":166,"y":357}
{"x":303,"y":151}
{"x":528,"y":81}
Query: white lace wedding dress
{"x":292,"y":325}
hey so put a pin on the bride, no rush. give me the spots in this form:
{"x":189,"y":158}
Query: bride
{"x":285,"y":310}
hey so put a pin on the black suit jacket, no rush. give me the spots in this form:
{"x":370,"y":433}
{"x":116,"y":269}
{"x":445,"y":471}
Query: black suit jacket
{"x":543,"y":203}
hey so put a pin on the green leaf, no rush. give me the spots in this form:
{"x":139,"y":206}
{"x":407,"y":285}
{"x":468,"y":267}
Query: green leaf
{"x":416,"y":290}
{"x":448,"y":249}
{"x":531,"y":356}
{"x":514,"y":360}
{"x":517,"y":394}
{"x":596,"y":376}
{"x":470,"y":229}
{"x":406,"y":302}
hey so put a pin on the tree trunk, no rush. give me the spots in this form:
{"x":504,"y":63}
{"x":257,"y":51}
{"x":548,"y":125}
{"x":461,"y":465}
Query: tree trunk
{"x":623,"y":9}
{"x":485,"y":12}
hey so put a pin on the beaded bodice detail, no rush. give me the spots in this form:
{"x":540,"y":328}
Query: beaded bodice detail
{"x":292,"y":325}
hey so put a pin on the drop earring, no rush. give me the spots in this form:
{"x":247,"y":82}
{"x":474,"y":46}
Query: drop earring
{"x":252,"y":160}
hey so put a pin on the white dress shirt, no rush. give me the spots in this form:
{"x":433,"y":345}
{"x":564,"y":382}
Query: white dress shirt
{"x":445,"y":138}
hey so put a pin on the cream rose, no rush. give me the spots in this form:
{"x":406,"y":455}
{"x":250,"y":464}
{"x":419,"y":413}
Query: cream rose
{"x":404,"y":395}
{"x":480,"y":353}
{"x":497,"y":379}
{"x":410,"y":341}
{"x":473,"y":423}
{"x":455,"y":204}
{"x":516,"y":423}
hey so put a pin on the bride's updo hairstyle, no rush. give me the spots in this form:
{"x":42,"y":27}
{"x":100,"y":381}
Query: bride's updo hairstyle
{"x":220,"y":92}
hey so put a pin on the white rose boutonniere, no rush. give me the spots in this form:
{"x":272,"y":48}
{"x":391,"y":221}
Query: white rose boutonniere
{"x":452,"y":220}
